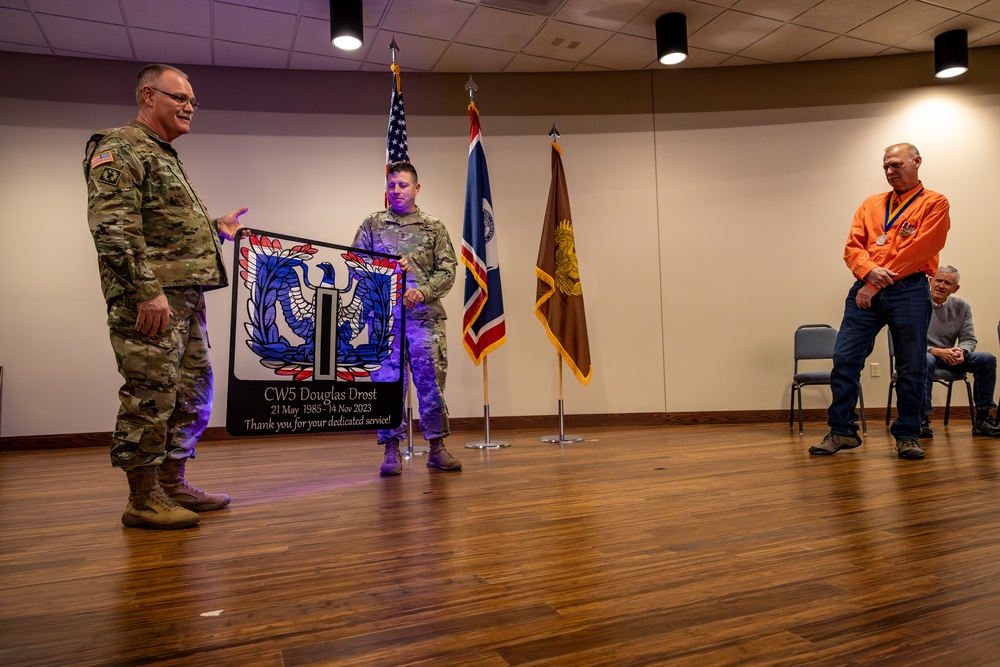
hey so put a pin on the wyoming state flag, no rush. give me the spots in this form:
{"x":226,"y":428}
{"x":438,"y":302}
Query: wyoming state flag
{"x":483,"y":328}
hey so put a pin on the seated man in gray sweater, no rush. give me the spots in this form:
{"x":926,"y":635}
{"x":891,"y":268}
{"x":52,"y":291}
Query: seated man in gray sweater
{"x":951,"y":343}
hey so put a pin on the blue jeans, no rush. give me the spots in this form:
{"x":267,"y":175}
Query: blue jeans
{"x":983,"y":367}
{"x":905,"y":306}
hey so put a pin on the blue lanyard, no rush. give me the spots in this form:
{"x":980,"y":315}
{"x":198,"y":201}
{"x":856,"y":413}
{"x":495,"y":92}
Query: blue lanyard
{"x":890,"y":221}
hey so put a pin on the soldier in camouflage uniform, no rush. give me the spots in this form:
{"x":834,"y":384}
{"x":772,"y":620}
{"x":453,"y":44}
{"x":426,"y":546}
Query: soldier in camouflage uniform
{"x":157,"y":250}
{"x":429,"y":261}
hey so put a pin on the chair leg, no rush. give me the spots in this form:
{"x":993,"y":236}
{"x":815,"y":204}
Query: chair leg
{"x":864,"y":422}
{"x":888,"y":403}
{"x":947,"y":405}
{"x":791,"y":409}
{"x":800,"y":410}
{"x":972,"y":402}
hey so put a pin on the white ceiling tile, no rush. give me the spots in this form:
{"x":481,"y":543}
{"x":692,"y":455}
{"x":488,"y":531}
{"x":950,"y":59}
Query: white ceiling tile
{"x":787,"y":43}
{"x":840,"y":16}
{"x":584,"y":67}
{"x":721,"y":3}
{"x":282,"y":6}
{"x":902,"y":22}
{"x":624,"y":52}
{"x":317,"y":62}
{"x":253,"y":27}
{"x":20,"y":28}
{"x":231,"y":54}
{"x":526,"y":63}
{"x":699,"y":58}
{"x":317,"y":9}
{"x":313,"y":36}
{"x":597,"y":34}
{"x":740,"y":61}
{"x":472,"y":59}
{"x":499,"y":29}
{"x":24,"y":48}
{"x":187,"y":17}
{"x":696,"y":13}
{"x":415,"y":53}
{"x":925,"y":40}
{"x":107,"y":11}
{"x":437,"y":19}
{"x":990,"y":40}
{"x":731,"y":32}
{"x":535,"y":7}
{"x":957,"y":5}
{"x":605,"y":14}
{"x":565,"y":41}
{"x":988,"y":10}
{"x":844,"y":47}
{"x":166,"y":47}
{"x":103,"y":39}
{"x":780,"y":10}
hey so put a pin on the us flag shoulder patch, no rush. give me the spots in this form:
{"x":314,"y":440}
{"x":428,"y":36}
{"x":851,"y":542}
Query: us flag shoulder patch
{"x":101,"y":159}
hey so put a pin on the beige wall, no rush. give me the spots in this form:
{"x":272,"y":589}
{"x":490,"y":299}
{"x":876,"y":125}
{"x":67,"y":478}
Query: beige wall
{"x":704,"y":236}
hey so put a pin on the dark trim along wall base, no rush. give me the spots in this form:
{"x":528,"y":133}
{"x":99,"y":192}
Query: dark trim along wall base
{"x":546,"y":423}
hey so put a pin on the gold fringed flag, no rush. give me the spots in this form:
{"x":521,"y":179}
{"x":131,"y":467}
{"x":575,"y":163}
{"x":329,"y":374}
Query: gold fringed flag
{"x":559,"y":294}
{"x":483,"y":326}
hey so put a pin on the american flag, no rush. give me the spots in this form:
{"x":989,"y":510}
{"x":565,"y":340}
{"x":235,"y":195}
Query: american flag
{"x":395,"y":138}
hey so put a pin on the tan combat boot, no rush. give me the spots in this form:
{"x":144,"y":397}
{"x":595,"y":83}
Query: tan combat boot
{"x":148,"y":505}
{"x":439,"y":457}
{"x":187,"y":496}
{"x":392,"y":464}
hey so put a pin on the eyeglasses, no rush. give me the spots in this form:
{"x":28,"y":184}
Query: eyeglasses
{"x":180,"y":99}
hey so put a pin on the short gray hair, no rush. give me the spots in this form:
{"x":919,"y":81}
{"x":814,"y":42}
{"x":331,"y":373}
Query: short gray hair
{"x":910,"y":148}
{"x":149,"y":75}
{"x":948,"y":268}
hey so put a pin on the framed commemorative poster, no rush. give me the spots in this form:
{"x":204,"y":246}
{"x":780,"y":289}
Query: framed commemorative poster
{"x":317,"y":341}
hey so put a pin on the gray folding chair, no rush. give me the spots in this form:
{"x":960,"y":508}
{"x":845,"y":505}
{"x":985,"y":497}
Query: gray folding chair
{"x":815,"y":341}
{"x":942,"y":376}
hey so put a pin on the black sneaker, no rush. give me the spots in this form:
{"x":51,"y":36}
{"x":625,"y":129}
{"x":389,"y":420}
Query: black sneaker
{"x":986,"y":426}
{"x":909,"y":449}
{"x":925,"y":429}
{"x":833,"y":443}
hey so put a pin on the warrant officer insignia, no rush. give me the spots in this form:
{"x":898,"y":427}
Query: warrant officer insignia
{"x":109,"y":176}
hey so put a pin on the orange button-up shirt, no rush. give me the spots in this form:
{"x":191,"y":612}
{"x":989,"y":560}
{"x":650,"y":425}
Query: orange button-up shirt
{"x":912,"y":244}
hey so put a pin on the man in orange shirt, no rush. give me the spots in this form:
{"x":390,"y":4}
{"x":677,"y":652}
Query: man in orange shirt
{"x":892,"y":248}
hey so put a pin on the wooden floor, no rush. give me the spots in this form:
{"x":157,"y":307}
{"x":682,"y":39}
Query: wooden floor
{"x":695,"y":545}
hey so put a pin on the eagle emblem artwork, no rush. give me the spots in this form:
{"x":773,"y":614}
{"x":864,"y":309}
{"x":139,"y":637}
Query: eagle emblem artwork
{"x":567,"y":276}
{"x":316,"y":338}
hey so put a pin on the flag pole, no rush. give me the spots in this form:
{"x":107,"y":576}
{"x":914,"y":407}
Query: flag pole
{"x":485,"y":443}
{"x":411,"y":451}
{"x":561,"y":437}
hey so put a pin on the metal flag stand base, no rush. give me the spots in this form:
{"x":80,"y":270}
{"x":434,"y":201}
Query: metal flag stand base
{"x":410,"y":450}
{"x":562,"y":438}
{"x":487,"y":443}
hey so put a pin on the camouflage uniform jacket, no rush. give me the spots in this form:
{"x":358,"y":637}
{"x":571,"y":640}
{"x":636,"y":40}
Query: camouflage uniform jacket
{"x":150,"y":227}
{"x":424,"y":241}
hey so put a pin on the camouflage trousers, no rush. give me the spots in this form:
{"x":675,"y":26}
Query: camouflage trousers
{"x":427,"y":347}
{"x":167,"y":396}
